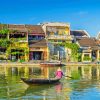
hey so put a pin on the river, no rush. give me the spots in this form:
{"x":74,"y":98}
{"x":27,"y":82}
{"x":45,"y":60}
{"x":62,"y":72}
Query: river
{"x":84,"y":84}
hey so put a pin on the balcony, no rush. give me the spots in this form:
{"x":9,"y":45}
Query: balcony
{"x":60,"y":37}
{"x":19,"y":39}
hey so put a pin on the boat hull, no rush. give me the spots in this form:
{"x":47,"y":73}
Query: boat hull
{"x":40,"y":81}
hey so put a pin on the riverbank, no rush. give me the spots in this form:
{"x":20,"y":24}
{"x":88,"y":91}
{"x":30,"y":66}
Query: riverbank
{"x":80,"y":64}
{"x":47,"y":64}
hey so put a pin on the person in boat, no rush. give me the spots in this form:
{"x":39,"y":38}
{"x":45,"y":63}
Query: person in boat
{"x":59,"y":73}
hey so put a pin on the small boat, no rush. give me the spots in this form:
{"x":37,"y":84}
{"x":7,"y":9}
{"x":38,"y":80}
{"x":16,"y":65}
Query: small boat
{"x":40,"y":81}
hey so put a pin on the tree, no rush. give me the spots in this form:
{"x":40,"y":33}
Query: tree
{"x":74,"y":49}
{"x":4,"y":43}
{"x":4,"y":31}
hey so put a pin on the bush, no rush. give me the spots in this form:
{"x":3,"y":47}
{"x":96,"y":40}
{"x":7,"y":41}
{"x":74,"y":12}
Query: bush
{"x":86,"y":58}
{"x":22,"y":60}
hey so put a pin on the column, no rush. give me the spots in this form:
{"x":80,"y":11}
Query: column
{"x":98,"y":55}
{"x":82,"y":57}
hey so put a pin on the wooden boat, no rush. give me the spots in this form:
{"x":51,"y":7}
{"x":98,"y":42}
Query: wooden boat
{"x":40,"y":81}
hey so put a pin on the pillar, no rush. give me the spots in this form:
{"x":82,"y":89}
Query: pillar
{"x":98,"y":55}
{"x":48,"y":53}
{"x":82,"y":57}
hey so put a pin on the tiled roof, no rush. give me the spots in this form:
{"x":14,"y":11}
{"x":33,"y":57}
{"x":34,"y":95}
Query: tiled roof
{"x":81,"y":33}
{"x":20,"y":28}
{"x":88,"y":42}
{"x":38,"y":43}
{"x":2,"y":26}
{"x":34,"y":29}
{"x":31,"y":29}
{"x":98,"y":42}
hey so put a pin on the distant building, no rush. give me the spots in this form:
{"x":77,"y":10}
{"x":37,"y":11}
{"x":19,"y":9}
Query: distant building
{"x":26,"y":42}
{"x":57,"y":33}
{"x":45,"y":42}
{"x":19,"y":47}
{"x":38,"y":49}
{"x":98,"y":36}
{"x":78,"y":34}
{"x":90,"y":49}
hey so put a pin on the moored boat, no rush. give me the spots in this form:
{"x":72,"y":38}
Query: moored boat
{"x":40,"y":81}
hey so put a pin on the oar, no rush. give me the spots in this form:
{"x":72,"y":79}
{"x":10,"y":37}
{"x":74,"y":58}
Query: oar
{"x":68,"y":76}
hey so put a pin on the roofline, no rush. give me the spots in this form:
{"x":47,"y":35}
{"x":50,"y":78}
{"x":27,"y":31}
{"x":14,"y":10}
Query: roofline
{"x":86,"y":32}
{"x":47,"y":23}
{"x":82,"y":30}
{"x":97,"y":35}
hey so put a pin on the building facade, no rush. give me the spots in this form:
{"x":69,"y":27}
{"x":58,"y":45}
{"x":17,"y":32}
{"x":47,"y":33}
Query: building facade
{"x":44,"y":42}
{"x":38,"y":49}
{"x":23,"y":43}
{"x":90,"y":49}
{"x":57,"y":33}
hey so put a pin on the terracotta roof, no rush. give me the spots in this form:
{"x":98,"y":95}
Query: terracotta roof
{"x":79,"y":33}
{"x":34,"y":29}
{"x":2,"y":26}
{"x":20,"y":28}
{"x":98,"y":42}
{"x":38,"y":43}
{"x":88,"y":42}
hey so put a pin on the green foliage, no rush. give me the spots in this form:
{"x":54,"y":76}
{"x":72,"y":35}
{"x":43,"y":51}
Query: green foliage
{"x":4,"y":43}
{"x":18,"y":39}
{"x":87,"y":58}
{"x":4,"y":31}
{"x":22,"y":60}
{"x":79,"y":57}
{"x":74,"y":49}
{"x":75,"y":75}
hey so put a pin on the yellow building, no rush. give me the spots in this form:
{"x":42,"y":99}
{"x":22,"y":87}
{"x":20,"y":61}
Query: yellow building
{"x":38,"y":48}
{"x":57,"y":33}
{"x":18,"y":49}
{"x":90,"y":49}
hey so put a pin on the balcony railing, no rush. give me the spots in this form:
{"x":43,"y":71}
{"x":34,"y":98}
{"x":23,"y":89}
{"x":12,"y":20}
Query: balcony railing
{"x":64,"y":37}
{"x":19,"y":39}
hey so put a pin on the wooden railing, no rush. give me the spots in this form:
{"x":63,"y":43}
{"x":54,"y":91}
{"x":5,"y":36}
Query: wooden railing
{"x":65,"y":37}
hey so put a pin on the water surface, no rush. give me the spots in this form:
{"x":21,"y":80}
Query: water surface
{"x":85,"y":84}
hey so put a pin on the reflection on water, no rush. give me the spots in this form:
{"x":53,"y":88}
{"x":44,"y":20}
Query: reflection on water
{"x":85,"y":84}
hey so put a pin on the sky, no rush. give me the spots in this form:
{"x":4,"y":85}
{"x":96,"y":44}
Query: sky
{"x":81,"y":14}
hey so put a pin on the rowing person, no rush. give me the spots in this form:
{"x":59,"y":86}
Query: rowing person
{"x":59,"y":73}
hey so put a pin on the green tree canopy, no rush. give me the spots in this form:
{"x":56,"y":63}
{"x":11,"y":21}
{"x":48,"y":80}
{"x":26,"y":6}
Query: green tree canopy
{"x":4,"y":31}
{"x":4,"y":43}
